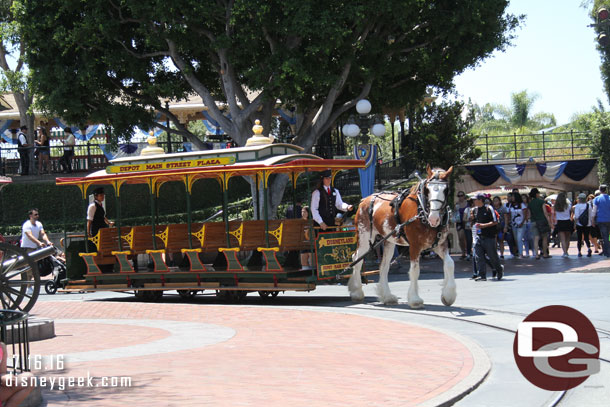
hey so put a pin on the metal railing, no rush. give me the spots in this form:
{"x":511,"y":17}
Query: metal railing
{"x":545,"y":146}
{"x":88,"y":156}
{"x":14,"y":333}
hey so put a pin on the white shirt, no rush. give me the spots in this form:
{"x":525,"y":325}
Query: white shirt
{"x":579,"y":208}
{"x":35,"y":229}
{"x":69,"y":142}
{"x":22,"y":138}
{"x":315,"y":205}
{"x":516,"y":215}
{"x":563,"y":215}
{"x":91,"y":210}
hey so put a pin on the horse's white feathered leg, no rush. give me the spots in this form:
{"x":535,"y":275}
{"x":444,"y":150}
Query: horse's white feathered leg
{"x":354,"y":285}
{"x":383,"y":288}
{"x":449,"y":293}
{"x":413,"y":296}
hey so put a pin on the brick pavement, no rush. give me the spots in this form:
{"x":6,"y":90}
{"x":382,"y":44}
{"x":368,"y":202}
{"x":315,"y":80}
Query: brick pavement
{"x":277,"y":357}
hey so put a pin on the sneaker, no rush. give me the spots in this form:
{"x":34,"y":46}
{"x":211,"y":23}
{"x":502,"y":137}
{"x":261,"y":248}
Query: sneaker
{"x":589,"y":253}
{"x":501,"y":272}
{"x":29,"y":291}
{"x":474,"y":277}
{"x":565,"y":255}
{"x":579,"y":254}
{"x":480,"y":279}
{"x":501,"y":256}
{"x":469,"y":257}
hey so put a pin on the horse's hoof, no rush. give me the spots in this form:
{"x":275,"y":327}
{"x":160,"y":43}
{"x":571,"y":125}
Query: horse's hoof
{"x":446,"y":301}
{"x":357,"y":296}
{"x":419,"y":303}
{"x":390,"y":300}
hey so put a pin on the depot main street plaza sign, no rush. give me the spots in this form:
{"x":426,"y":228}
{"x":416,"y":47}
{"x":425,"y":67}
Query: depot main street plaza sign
{"x":334,"y":252}
{"x":170,"y":165}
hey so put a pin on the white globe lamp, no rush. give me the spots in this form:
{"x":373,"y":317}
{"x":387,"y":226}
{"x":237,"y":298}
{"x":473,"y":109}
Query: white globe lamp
{"x":363,"y":106}
{"x":378,"y":130}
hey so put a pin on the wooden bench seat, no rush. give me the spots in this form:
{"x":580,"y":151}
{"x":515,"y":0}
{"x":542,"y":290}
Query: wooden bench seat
{"x":293,"y":236}
{"x":139,"y":239}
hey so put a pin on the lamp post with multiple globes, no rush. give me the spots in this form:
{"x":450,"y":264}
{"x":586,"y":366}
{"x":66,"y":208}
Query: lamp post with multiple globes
{"x":359,"y":126}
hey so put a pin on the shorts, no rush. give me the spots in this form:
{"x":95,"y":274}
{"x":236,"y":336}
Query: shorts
{"x":565,"y":226}
{"x":534,"y":230}
{"x":594,"y":232}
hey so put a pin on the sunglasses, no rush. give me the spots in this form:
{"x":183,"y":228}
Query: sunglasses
{"x":460,"y":196}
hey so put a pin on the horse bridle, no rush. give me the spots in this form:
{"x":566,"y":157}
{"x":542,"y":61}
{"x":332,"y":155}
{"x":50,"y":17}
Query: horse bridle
{"x":424,"y":203}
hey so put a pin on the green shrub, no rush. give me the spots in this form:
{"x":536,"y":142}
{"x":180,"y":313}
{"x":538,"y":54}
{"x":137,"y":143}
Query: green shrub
{"x":59,"y":204}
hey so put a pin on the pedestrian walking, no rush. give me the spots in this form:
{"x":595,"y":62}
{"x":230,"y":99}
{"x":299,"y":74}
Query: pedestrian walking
{"x":66,"y":160}
{"x":508,"y":235}
{"x":541,"y":222}
{"x":594,"y":229}
{"x":484,"y":232}
{"x":563,"y":221}
{"x":581,"y":216}
{"x":528,"y":240}
{"x":33,"y":237}
{"x":502,"y":225}
{"x":601,"y":218}
{"x":518,"y":214}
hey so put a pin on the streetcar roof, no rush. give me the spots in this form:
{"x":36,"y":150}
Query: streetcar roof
{"x":285,"y":163}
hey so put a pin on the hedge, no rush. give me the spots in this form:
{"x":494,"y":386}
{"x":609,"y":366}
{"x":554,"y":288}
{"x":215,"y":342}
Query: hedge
{"x":53,"y":202}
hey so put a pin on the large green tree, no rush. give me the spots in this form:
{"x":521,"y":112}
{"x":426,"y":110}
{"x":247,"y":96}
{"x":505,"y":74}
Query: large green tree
{"x":14,"y":75}
{"x":113,"y":60}
{"x":117,"y":61}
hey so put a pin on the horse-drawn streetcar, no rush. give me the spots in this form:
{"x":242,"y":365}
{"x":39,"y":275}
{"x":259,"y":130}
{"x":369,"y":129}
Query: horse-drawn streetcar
{"x":220,"y":255}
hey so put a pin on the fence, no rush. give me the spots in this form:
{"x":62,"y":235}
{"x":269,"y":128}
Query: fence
{"x":545,"y":146}
{"x":87,"y":156}
{"x":14,"y":333}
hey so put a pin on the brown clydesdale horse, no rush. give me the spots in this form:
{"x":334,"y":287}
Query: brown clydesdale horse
{"x":421,"y":213}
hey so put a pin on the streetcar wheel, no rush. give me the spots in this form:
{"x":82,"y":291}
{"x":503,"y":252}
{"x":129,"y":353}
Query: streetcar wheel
{"x":275,"y":293}
{"x":50,"y":287}
{"x":15,"y":284}
{"x":264,"y":294}
{"x":187,"y":294}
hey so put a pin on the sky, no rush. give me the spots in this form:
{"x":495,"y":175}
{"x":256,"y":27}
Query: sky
{"x":553,"y":56}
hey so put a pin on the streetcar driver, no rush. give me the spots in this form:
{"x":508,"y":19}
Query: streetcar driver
{"x":326,"y":201}
{"x":96,"y":215}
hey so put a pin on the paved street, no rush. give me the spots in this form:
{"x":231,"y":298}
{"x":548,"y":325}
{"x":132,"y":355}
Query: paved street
{"x":321,"y":349}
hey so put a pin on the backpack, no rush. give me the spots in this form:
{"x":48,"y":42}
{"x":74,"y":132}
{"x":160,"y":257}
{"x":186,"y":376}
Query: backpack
{"x":583,"y":219}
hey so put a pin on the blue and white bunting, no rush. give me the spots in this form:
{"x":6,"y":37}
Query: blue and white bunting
{"x":511,"y":172}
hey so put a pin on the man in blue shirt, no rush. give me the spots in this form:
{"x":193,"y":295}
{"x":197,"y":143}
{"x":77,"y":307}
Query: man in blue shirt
{"x":601,"y":218}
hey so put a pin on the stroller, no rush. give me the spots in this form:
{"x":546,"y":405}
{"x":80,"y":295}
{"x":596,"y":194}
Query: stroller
{"x":55,"y":265}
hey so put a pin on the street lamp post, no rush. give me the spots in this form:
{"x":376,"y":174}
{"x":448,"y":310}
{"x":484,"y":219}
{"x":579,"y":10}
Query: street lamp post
{"x":359,"y":126}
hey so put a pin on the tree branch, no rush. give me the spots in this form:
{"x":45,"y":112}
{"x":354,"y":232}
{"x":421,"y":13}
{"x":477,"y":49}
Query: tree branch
{"x":198,"y":87}
{"x":142,"y":56}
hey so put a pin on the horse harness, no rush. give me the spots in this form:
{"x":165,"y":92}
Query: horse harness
{"x":422,"y":210}
{"x":422,"y":215}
